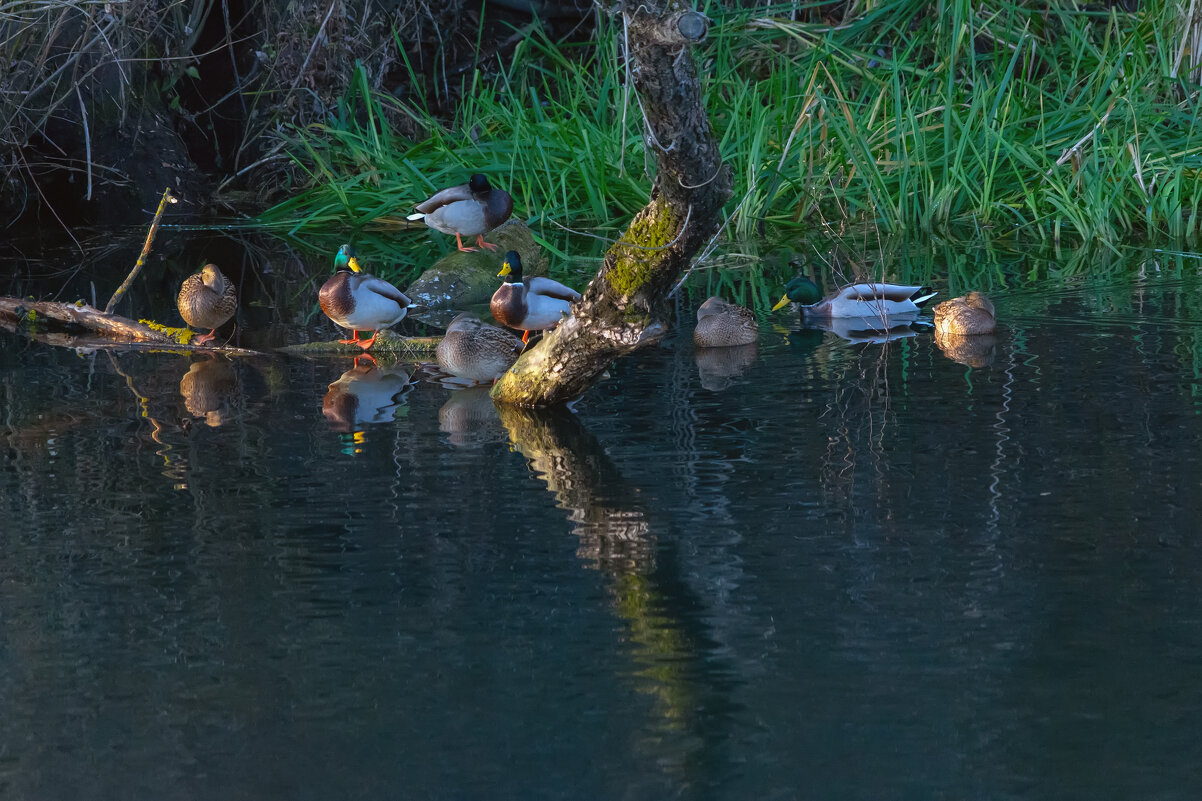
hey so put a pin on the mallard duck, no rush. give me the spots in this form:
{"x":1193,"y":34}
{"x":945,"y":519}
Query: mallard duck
{"x":856,"y":300}
{"x":529,"y":304}
{"x":207,"y":299}
{"x":208,"y":388}
{"x":359,"y":301}
{"x":969,"y":315}
{"x":366,"y":393}
{"x":475,"y":351}
{"x":723,"y":325}
{"x":470,"y":209}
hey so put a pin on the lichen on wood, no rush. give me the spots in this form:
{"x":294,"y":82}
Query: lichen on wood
{"x":386,"y":342}
{"x":624,"y":306}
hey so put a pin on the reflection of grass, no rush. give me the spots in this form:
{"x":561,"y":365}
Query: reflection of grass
{"x":991,"y":118}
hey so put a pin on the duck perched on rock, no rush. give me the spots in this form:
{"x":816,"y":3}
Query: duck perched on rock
{"x":855,"y":300}
{"x":476,"y":352}
{"x":723,"y":325}
{"x":970,"y":315}
{"x":359,"y":301}
{"x":470,"y":209}
{"x":207,"y":299}
{"x":532,"y":303}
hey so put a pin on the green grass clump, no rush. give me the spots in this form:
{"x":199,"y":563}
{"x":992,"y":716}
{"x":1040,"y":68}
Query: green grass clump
{"x":1050,"y":121}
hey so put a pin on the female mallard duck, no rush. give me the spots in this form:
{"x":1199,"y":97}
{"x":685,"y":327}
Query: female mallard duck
{"x":856,"y":300}
{"x":966,"y":316}
{"x":475,"y":351}
{"x":207,"y":299}
{"x":469,"y":209}
{"x":359,"y":301}
{"x":723,"y":325}
{"x":529,"y":304}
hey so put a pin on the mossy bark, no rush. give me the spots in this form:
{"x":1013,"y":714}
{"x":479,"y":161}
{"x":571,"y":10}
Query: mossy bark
{"x":624,"y":305}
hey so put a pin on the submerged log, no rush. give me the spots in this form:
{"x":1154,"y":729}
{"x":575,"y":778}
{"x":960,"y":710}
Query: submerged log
{"x":112,"y":329}
{"x":624,"y":305}
{"x":386,"y":342}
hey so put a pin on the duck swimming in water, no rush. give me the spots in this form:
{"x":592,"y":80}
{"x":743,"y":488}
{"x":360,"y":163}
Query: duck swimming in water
{"x":855,"y":300}
{"x":723,"y":325}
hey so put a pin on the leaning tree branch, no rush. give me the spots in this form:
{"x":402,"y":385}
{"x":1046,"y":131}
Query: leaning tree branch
{"x":624,"y":306}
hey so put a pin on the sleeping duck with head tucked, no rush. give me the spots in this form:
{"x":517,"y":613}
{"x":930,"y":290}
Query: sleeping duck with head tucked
{"x":530,"y":303}
{"x":207,"y":299}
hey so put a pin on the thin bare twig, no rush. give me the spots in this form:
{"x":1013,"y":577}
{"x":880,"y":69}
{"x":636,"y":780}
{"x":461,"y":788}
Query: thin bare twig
{"x":154,"y":227}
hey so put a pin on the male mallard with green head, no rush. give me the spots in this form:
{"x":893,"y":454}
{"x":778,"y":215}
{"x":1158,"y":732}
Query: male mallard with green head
{"x":969,"y":315}
{"x":470,"y":209}
{"x":207,"y":299}
{"x":359,"y":301}
{"x":856,"y":300}
{"x":723,"y":325}
{"x":529,"y":304}
{"x":475,"y":351}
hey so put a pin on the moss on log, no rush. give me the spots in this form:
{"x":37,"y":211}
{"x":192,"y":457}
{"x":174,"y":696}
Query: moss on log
{"x":386,"y":343}
{"x":624,"y":306}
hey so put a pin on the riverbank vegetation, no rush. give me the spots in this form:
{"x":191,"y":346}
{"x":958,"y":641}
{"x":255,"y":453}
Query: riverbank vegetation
{"x":1052,"y":123}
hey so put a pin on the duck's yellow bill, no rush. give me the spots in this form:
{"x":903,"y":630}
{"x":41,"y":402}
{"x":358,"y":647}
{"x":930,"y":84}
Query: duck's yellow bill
{"x":505,"y":269}
{"x":784,"y":301}
{"x":353,"y":263}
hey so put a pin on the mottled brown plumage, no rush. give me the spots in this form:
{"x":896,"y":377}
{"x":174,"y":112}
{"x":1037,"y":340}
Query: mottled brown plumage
{"x":969,"y":315}
{"x":723,"y":325}
{"x":475,"y":351}
{"x":207,"y":299}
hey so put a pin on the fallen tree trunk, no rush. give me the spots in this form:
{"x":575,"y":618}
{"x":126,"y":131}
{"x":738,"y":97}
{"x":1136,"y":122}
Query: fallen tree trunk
{"x":624,"y":305}
{"x":18,"y":313}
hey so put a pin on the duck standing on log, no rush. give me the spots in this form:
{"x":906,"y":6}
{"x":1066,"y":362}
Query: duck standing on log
{"x":207,"y":299}
{"x":359,"y":301}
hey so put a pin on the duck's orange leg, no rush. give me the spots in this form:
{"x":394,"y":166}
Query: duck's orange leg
{"x":367,"y":343}
{"x":203,"y":338}
{"x":353,"y":340}
{"x":480,"y":241}
{"x":461,"y":246}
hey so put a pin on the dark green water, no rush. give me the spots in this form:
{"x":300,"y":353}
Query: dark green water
{"x":852,"y":572}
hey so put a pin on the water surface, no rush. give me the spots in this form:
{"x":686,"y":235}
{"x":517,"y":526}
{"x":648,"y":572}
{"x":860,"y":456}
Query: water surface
{"x":817,"y":569}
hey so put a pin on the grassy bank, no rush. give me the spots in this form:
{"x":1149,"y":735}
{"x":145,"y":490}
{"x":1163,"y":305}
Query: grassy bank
{"x":1059,"y":124}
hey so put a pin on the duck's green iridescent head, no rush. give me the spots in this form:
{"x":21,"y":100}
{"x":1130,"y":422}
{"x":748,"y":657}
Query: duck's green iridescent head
{"x":800,"y":290}
{"x":512,"y":266}
{"x":345,"y":260}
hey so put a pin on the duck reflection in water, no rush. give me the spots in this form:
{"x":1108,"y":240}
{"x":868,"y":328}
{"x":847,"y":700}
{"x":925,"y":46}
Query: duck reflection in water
{"x":718,"y":368}
{"x":209,"y":388}
{"x":469,"y":418}
{"x":964,"y":329}
{"x":365,"y":394}
{"x":869,"y":330}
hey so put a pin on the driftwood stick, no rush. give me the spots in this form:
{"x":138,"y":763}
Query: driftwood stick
{"x":154,"y":227}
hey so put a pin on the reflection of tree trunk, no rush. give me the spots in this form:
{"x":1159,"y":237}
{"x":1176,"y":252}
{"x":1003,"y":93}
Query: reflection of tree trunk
{"x":624,"y":303}
{"x":578,"y":473}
